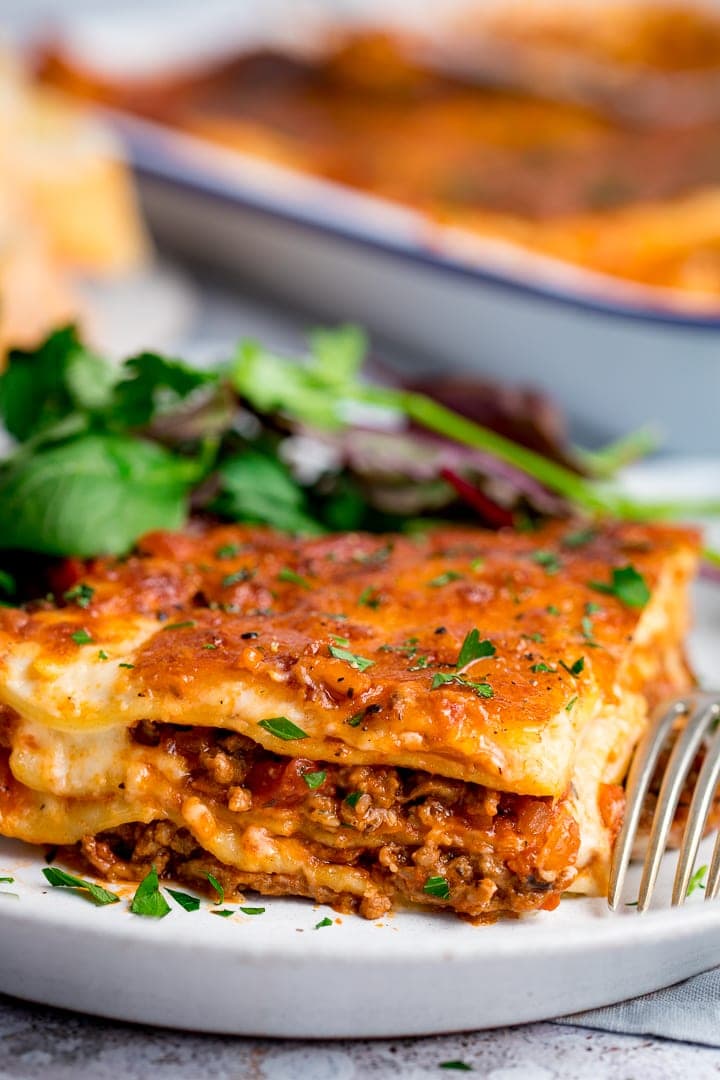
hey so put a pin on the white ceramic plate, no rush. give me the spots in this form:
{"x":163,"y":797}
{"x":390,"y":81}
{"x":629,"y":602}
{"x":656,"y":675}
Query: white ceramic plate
{"x":409,"y":974}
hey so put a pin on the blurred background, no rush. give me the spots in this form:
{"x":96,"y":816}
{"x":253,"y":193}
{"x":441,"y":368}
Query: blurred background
{"x":525,"y":192}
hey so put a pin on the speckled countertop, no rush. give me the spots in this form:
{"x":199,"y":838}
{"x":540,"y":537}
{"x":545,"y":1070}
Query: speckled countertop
{"x":48,"y":1044}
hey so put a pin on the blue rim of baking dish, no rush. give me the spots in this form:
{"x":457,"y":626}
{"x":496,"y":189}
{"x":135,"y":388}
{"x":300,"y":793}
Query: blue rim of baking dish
{"x":151,"y":160}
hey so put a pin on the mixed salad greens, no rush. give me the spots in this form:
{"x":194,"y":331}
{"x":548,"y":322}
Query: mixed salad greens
{"x":99,"y":453}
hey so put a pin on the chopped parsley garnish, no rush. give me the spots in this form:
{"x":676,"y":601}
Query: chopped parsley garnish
{"x":60,"y":879}
{"x":627,"y":584}
{"x":540,"y":668}
{"x":129,"y":666}
{"x":148,"y":900}
{"x":340,"y":640}
{"x":228,"y":551}
{"x":697,"y":881}
{"x":81,"y":637}
{"x":253,"y":910}
{"x":571,"y":704}
{"x":353,"y":798}
{"x":580,"y":537}
{"x":360,"y":663}
{"x":537,"y":636}
{"x":179,"y":625}
{"x":444,"y":579}
{"x":315,"y":779}
{"x":460,"y":1066}
{"x":224,"y":913}
{"x":236,"y":577}
{"x":102,"y":655}
{"x":6,"y":880}
{"x":591,"y":608}
{"x":588,"y":632}
{"x":282,"y":728}
{"x":477,"y":564}
{"x":210,"y":645}
{"x":548,"y":560}
{"x":420,"y":663}
{"x":185,"y":900}
{"x":437,"y":886}
{"x":82,"y":594}
{"x":369,"y":598}
{"x":356,"y":719}
{"x":552,"y":609}
{"x":323,"y":922}
{"x":482,"y":689}
{"x":217,"y":887}
{"x":286,"y":574}
{"x":474,"y":649}
{"x":574,"y":669}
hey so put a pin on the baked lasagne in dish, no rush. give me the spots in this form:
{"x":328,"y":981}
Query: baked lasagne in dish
{"x":497,"y":139}
{"x":369,"y":721}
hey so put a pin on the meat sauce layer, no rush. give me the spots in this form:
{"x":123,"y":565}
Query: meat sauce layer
{"x":494,"y":851}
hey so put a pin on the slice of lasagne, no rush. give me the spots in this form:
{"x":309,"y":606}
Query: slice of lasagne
{"x":370,"y":721}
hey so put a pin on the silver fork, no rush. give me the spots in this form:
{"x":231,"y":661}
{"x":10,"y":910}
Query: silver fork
{"x":702,"y":710}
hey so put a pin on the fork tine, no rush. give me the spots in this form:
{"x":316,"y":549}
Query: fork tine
{"x":702,"y":800}
{"x":681,"y":759}
{"x":641,"y":773}
{"x":712,"y":883}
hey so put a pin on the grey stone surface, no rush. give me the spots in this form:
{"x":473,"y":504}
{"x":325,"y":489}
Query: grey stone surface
{"x":48,"y":1044}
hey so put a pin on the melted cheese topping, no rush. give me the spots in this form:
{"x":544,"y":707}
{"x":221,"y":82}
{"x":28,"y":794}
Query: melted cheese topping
{"x":194,"y":637}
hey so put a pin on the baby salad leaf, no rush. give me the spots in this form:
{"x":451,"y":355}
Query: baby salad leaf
{"x":148,"y":900}
{"x":93,"y":495}
{"x":258,"y":488}
{"x":34,"y":389}
{"x":151,"y":385}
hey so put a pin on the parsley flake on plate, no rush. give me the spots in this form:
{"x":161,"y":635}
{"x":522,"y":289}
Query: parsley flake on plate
{"x":459,"y":1066}
{"x":148,"y":900}
{"x":697,"y":881}
{"x":185,"y":900}
{"x":224,"y":913}
{"x":282,"y":728}
{"x":253,"y":910}
{"x":323,"y":922}
{"x":61,"y":879}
